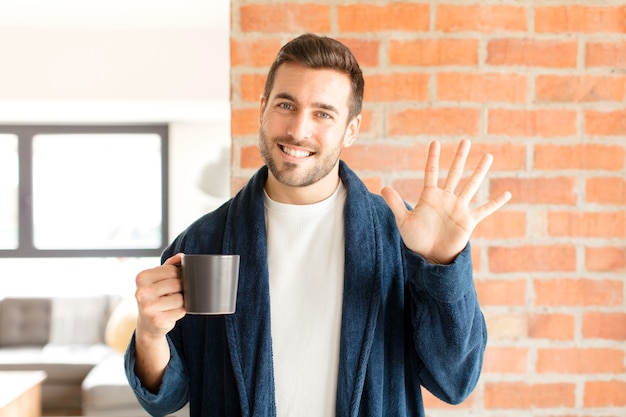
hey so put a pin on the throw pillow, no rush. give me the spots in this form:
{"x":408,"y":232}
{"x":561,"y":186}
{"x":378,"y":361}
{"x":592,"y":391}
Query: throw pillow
{"x":121,"y":325}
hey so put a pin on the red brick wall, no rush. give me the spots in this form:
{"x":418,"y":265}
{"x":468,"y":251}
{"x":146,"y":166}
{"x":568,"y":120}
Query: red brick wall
{"x":541,"y":85}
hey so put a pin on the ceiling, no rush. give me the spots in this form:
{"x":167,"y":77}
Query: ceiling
{"x":115,"y":14}
{"x":64,"y":77}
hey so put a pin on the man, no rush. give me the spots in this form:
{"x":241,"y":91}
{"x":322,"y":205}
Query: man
{"x":348,"y":302}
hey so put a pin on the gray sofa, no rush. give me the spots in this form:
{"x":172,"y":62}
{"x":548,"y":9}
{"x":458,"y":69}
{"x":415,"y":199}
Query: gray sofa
{"x":67,"y":338}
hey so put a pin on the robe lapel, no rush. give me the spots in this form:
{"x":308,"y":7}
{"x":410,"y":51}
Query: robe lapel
{"x":249,"y":330}
{"x":362,"y":289}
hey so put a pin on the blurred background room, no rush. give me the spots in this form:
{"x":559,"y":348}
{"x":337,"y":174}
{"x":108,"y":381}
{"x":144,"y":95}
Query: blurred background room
{"x":539,"y":84}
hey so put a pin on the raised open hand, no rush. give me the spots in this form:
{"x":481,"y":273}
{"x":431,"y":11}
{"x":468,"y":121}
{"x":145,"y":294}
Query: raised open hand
{"x":439,"y":226}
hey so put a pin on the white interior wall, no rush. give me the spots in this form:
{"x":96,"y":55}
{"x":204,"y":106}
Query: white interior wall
{"x":199,"y":171}
{"x":122,"y":64}
{"x":143,"y":61}
{"x":127,"y":64}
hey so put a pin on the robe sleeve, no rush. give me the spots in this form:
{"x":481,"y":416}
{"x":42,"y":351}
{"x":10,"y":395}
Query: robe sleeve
{"x":449,"y":330}
{"x":173,"y":393}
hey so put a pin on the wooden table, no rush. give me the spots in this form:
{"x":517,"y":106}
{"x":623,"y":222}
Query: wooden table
{"x":20,"y":393}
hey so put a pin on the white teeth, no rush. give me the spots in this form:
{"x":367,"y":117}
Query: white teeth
{"x":296,"y":153}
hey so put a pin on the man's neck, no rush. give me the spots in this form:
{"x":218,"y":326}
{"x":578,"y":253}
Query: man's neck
{"x":310,"y":194}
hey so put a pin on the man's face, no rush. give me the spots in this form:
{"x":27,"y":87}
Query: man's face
{"x":304,"y":126}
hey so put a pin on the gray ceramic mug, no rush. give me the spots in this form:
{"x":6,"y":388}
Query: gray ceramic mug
{"x":210,"y":283}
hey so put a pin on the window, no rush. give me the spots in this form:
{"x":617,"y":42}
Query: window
{"x":9,"y":180}
{"x":83,"y":191}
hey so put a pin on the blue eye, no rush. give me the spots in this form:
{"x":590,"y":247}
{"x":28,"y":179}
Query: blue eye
{"x":286,"y":106}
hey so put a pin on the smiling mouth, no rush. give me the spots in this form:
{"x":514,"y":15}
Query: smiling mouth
{"x":295,"y":153}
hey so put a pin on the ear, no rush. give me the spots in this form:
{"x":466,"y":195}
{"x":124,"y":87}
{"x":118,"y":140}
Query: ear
{"x":352,"y":131}
{"x":262,"y":105}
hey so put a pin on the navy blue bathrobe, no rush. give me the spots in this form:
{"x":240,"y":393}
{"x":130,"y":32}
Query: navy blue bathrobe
{"x":405,"y":323}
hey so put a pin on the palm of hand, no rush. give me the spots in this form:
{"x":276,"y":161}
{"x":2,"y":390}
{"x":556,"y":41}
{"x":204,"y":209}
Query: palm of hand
{"x":439,"y":226}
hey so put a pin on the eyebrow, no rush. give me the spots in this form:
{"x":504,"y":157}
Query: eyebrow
{"x":324,"y":106}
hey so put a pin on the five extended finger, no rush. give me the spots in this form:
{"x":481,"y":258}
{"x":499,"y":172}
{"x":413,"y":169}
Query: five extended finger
{"x":431,"y":173}
{"x":395,"y":203}
{"x":454,"y":177}
{"x":458,"y":166}
{"x":491,"y":206}
{"x":475,"y":181}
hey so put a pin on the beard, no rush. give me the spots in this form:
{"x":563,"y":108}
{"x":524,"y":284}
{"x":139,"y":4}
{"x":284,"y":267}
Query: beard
{"x":292,"y":174}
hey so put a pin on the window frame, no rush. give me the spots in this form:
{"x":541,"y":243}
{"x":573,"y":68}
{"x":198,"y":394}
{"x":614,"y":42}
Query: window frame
{"x":25,"y":135}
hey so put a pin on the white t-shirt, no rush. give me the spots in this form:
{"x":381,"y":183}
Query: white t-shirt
{"x":305,"y":245}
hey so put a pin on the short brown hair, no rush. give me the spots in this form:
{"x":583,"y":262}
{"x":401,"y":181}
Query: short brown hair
{"x":315,"y":51}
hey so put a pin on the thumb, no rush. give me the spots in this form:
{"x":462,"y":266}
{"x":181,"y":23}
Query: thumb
{"x":174,"y":260}
{"x":395,"y":202}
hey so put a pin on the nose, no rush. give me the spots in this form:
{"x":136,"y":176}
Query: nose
{"x":300,"y":127}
